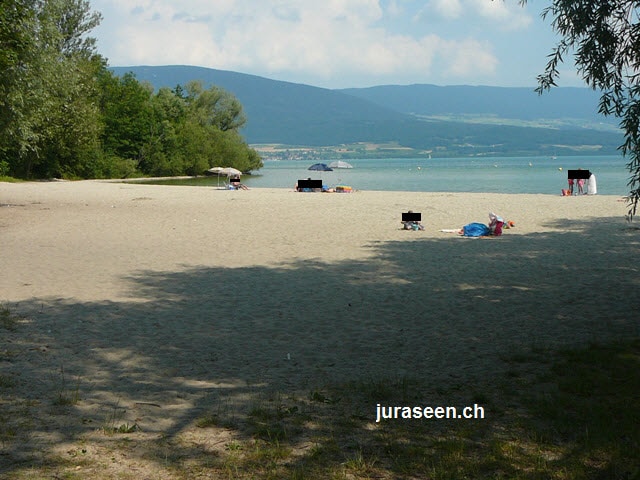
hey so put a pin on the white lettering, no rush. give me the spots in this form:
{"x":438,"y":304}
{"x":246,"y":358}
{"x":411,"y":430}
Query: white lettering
{"x":405,"y":412}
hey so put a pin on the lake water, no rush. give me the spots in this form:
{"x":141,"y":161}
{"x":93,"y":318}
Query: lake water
{"x":500,"y":174}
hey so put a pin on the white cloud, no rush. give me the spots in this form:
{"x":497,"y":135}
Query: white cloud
{"x":326,"y":41}
{"x":469,"y":57}
{"x":509,"y":15}
{"x":449,"y":9}
{"x":504,"y":14}
{"x":394,"y":9}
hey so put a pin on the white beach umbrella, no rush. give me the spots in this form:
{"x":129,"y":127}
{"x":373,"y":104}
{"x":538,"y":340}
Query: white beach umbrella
{"x":216,"y":171}
{"x":228,"y":171}
{"x":340,"y":164}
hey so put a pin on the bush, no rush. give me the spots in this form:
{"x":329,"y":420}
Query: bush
{"x":112,"y":166}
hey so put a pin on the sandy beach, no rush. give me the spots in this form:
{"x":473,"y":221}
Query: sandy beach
{"x":167,"y":301}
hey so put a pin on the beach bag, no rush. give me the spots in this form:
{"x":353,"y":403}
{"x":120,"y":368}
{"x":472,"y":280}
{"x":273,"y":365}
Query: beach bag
{"x":476,"y":230}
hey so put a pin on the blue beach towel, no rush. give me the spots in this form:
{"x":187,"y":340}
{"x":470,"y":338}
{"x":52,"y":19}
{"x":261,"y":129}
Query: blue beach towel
{"x":476,"y":230}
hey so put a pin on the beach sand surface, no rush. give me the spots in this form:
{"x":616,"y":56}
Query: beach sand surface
{"x":164,"y":301}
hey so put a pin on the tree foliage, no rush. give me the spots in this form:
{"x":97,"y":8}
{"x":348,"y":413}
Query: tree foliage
{"x":182,"y":131}
{"x":604,"y":38}
{"x":17,"y":50}
{"x":49,"y":121}
{"x":64,"y":114}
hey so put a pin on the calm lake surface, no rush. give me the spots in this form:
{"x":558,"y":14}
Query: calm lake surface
{"x":493,"y":175}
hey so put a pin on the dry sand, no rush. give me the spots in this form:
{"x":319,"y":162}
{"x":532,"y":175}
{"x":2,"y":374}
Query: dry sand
{"x":165,"y":301}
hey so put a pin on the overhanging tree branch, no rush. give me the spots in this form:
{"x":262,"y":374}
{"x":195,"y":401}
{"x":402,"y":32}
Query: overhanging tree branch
{"x":605,"y":38}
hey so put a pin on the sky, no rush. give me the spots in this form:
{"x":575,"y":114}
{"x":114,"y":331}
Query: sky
{"x":337,"y":43}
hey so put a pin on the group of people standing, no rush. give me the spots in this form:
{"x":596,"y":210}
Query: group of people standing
{"x":580,"y":182}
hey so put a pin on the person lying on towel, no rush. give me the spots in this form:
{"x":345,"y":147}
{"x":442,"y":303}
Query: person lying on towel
{"x":476,"y":229}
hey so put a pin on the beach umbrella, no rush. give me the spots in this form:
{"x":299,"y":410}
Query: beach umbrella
{"x":221,"y":171}
{"x":228,"y":171}
{"x":320,"y":167}
{"x":340,"y":164}
{"x":216,"y":171}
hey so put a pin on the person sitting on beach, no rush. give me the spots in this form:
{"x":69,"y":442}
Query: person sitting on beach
{"x":297,"y":188}
{"x":235,"y":181}
{"x":412,"y":224}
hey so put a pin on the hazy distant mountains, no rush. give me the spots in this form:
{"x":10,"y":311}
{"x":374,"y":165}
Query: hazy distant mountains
{"x":455,"y":120}
{"x":506,"y":103}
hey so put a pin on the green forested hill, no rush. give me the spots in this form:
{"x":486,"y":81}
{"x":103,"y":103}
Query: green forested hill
{"x":443,"y":120}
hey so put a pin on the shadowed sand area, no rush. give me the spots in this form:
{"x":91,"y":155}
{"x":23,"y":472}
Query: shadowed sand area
{"x":166,"y":301}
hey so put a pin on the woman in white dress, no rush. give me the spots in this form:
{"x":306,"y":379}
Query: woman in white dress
{"x":592,"y":188}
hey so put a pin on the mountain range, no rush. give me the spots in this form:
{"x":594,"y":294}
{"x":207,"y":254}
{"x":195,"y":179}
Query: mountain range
{"x":421,"y":119}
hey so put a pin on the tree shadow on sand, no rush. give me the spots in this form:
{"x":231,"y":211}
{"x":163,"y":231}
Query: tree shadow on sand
{"x":282,"y":368}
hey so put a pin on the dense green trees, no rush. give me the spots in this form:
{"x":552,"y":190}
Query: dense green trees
{"x":604,"y":38}
{"x":16,"y":49}
{"x":182,"y":131}
{"x":64,"y":114}
{"x":49,"y":121}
